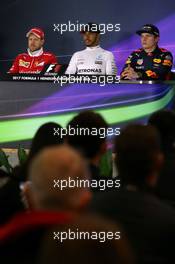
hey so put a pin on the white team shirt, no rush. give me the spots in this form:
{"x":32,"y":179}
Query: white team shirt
{"x":92,"y":61}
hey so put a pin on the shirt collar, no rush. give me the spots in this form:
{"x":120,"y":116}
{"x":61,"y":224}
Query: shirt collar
{"x":93,"y":48}
{"x":35,"y":53}
{"x":152,"y":52}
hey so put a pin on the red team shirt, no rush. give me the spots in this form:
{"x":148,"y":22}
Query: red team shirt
{"x":32,"y":62}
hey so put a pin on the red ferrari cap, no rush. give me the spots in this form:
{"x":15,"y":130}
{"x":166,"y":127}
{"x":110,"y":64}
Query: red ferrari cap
{"x":38,"y":32}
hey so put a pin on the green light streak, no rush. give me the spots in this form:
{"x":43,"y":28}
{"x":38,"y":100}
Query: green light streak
{"x":24,"y":129}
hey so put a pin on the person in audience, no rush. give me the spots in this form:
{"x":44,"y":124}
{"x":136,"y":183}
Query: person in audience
{"x":10,"y":198}
{"x":51,"y":207}
{"x":164,"y":121}
{"x":45,"y":136}
{"x":87,"y":250}
{"x":148,"y":222}
{"x":89,"y":137}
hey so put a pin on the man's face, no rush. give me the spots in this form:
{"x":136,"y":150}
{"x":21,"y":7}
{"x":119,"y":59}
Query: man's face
{"x":91,"y":39}
{"x":149,"y":40}
{"x":34,"y":43}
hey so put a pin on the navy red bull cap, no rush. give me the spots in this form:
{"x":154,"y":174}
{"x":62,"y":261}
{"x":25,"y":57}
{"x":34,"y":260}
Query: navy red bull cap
{"x":38,"y":32}
{"x":149,"y":28}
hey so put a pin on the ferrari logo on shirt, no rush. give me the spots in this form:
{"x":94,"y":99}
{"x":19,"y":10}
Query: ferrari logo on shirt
{"x":157,"y":60}
{"x":140,"y":61}
{"x":39,"y":63}
{"x":24,"y":63}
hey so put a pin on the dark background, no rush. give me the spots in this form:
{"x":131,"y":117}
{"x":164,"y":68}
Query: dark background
{"x":17,"y":17}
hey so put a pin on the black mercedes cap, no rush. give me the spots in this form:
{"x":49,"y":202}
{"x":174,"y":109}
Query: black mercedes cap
{"x":149,"y":28}
{"x":90,"y":27}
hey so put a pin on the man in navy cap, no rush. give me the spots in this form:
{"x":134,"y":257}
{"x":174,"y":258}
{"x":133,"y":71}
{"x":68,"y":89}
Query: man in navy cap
{"x":93,"y":60}
{"x":150,"y":62}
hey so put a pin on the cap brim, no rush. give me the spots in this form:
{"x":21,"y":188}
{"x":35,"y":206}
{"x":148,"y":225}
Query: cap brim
{"x":31,"y":32}
{"x":139,"y":32}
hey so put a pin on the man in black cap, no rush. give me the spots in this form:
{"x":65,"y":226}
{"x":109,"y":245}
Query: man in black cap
{"x":150,"y":62}
{"x":93,"y":60}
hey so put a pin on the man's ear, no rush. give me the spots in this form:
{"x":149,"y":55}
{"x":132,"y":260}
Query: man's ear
{"x":84,"y":200}
{"x":42,"y":42}
{"x":98,"y":37}
{"x":26,"y":195}
{"x":157,"y":39}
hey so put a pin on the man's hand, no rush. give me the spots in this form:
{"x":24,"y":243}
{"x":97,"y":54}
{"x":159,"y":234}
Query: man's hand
{"x":129,"y":73}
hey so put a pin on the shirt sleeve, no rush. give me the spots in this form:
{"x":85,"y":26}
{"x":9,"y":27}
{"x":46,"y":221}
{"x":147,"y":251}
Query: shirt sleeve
{"x":111,"y":68}
{"x":15,"y":66}
{"x":72,"y":67}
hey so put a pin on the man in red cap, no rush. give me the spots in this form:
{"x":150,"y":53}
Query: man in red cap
{"x":35,"y":59}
